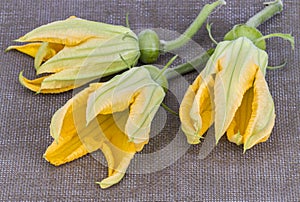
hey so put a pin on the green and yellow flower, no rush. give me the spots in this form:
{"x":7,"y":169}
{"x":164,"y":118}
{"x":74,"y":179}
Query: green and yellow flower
{"x":114,"y":117}
{"x":232,"y":93}
{"x":74,"y":52}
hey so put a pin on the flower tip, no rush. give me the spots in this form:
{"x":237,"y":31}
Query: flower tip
{"x":49,"y":160}
{"x":222,"y":2}
{"x":245,"y":149}
{"x":72,"y":17}
{"x":38,"y":92}
{"x":99,"y":183}
{"x":8,"y":49}
{"x":104,"y":185}
{"x":248,"y":145}
{"x":21,"y":39}
{"x":21,"y":78}
{"x":45,"y":157}
{"x":193,"y":140}
{"x":217,"y":138}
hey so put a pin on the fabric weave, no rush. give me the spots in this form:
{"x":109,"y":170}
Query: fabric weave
{"x":268,"y":172}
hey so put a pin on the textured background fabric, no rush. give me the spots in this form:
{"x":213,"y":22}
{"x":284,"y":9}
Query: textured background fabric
{"x":268,"y":172}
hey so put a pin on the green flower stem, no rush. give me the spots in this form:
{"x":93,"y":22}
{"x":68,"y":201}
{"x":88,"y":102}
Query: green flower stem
{"x":272,"y":9}
{"x":167,"y":46}
{"x":265,"y":14}
{"x":169,"y":109}
{"x":166,"y":67}
{"x":192,"y":65}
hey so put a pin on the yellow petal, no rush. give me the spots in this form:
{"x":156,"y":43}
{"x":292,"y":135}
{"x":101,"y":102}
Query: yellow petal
{"x":74,"y":138}
{"x":196,"y":109}
{"x":35,"y":85}
{"x":255,"y":118}
{"x":142,"y":110}
{"x":262,"y":118}
{"x":101,"y":57}
{"x":72,"y":31}
{"x":237,"y":72}
{"x":117,"y":94}
{"x":31,"y":49}
{"x":119,"y":151}
{"x":67,"y":145}
{"x":133,"y":91}
{"x":65,"y":79}
{"x":58,"y":82}
{"x":239,"y":124}
{"x":45,"y":52}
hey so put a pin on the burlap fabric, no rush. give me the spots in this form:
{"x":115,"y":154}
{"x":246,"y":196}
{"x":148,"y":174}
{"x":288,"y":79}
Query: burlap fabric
{"x":268,"y":172}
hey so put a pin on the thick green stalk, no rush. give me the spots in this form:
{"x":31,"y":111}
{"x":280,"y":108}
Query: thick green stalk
{"x":272,"y":8}
{"x":167,"y":46}
{"x":192,"y":65}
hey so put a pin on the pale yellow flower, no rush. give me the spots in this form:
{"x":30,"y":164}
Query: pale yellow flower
{"x":232,"y":93}
{"x":114,"y":117}
{"x":75,"y":51}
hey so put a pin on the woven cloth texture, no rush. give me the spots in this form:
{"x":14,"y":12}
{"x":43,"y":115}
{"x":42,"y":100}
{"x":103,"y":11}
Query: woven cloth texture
{"x":268,"y":172}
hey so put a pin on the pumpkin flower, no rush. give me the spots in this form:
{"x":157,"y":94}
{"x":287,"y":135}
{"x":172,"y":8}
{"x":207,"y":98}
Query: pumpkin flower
{"x":76,"y":51}
{"x":231,"y":91}
{"x":114,"y":117}
{"x":72,"y":52}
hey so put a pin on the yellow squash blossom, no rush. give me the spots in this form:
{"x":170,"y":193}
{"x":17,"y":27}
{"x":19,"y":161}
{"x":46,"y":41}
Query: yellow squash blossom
{"x":75,"y":51}
{"x":232,"y":93}
{"x":114,"y":117}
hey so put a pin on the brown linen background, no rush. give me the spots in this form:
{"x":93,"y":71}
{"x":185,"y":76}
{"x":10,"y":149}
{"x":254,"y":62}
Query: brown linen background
{"x":268,"y":172}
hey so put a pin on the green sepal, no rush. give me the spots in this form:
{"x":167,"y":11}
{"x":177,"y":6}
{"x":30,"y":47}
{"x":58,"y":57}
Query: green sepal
{"x":251,"y":33}
{"x":154,"y":72}
{"x":208,"y":28}
{"x":287,"y":37}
